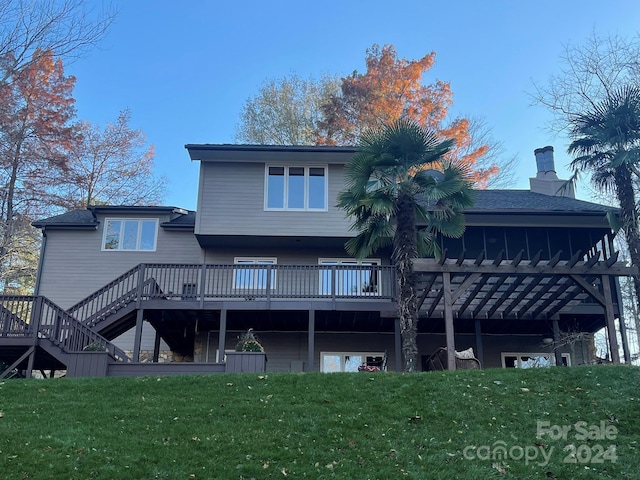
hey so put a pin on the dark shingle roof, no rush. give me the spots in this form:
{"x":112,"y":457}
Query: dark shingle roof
{"x":524,"y":201}
{"x":74,"y":218}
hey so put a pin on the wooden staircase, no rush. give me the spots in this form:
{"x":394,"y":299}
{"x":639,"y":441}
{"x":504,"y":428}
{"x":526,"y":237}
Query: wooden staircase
{"x":36,"y":334}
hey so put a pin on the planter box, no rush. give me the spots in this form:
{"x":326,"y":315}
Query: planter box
{"x":246,"y":362}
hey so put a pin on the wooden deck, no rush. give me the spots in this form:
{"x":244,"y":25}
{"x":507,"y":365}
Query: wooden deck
{"x":33,"y":330}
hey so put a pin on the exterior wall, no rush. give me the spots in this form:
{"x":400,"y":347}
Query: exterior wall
{"x":74,"y":265}
{"x":231,"y":202}
{"x":495,"y":345}
{"x":288,"y":351}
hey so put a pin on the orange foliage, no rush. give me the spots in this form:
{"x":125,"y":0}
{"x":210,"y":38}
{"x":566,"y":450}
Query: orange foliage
{"x":390,"y":89}
{"x":36,"y":110}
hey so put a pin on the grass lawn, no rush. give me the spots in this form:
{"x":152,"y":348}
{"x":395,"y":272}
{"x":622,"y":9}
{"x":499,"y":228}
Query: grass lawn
{"x":440,"y":425}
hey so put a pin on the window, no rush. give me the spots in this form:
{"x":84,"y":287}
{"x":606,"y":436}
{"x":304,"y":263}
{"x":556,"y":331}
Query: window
{"x":254,"y":278}
{"x":296,"y":188}
{"x":532,"y":360}
{"x":358,"y":281}
{"x":124,"y":234}
{"x":348,"y":361}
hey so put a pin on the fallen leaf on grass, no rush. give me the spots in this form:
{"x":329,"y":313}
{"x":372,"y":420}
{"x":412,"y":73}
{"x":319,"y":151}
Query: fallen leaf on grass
{"x":524,"y":389}
{"x":499,"y":468}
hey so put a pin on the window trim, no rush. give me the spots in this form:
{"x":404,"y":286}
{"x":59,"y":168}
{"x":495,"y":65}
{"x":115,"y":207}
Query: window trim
{"x":346,"y":354}
{"x":140,"y":221}
{"x":306,"y":207}
{"x":552,"y":357}
{"x":274,"y":273}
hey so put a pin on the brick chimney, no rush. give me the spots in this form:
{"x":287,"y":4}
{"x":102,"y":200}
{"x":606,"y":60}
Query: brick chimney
{"x":546,"y":181}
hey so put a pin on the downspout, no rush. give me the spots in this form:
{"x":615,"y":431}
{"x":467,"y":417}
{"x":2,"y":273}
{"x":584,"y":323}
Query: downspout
{"x":36,"y":290}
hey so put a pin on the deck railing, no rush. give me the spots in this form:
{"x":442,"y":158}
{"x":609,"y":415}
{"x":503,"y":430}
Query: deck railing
{"x":206,"y":282}
{"x":28,"y":316}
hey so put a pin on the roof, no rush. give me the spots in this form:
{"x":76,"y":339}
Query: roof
{"x":525,"y":201}
{"x":487,"y":202}
{"x":75,"y":219}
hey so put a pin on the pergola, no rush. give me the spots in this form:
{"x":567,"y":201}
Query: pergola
{"x":520,"y":290}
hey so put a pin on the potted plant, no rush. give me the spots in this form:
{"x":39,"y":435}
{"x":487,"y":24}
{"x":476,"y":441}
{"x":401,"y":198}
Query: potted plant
{"x":249,"y":356}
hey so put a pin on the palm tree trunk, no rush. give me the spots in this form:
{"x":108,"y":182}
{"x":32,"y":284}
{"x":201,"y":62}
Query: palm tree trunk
{"x":404,"y":251}
{"x":626,"y":197}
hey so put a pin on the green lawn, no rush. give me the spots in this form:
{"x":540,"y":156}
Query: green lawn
{"x":347,"y":426}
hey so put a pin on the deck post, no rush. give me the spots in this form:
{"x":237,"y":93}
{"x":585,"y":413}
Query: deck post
{"x":479,"y":345}
{"x":556,"y":341}
{"x":203,"y":283}
{"x":32,"y":357}
{"x":222,"y":337}
{"x":156,"y":347}
{"x":141,"y":273}
{"x":611,"y":321}
{"x":448,"y":321}
{"x":311,"y":358}
{"x":138,"y":335}
{"x":623,"y":326}
{"x":397,"y":343}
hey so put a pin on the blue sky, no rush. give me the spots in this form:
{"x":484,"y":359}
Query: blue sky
{"x":185,"y":69}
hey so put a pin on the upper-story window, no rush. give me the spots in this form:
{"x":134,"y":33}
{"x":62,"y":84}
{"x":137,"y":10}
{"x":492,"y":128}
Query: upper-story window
{"x":295,"y":188}
{"x":128,"y":234}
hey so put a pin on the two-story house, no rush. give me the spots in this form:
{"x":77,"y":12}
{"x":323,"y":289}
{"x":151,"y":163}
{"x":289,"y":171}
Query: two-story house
{"x":531,"y":280}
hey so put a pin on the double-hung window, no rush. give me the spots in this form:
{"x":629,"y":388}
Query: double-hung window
{"x":131,"y":235}
{"x":252,"y":274}
{"x":295,"y":188}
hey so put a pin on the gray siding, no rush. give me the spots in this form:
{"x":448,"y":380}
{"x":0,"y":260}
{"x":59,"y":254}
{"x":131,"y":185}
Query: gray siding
{"x":74,"y":266}
{"x":231,"y":202}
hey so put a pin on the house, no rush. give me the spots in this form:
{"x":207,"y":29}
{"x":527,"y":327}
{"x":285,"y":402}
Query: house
{"x":531,"y":280}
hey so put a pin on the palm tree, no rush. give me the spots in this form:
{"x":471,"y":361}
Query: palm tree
{"x":606,"y":142}
{"x":402,"y":193}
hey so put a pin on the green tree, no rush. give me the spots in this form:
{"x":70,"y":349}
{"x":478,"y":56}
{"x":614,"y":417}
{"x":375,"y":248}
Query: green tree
{"x":285,"y":111}
{"x":606,"y":143}
{"x":401,"y":193}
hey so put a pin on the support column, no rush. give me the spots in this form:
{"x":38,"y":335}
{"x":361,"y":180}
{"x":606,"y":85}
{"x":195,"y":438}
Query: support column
{"x":222,"y":337}
{"x":32,"y":358}
{"x":556,"y":342}
{"x":311,"y":358}
{"x":448,"y":321}
{"x":611,"y":320}
{"x":397,"y":341}
{"x":138,"y":336}
{"x":623,"y":326}
{"x":479,"y":345}
{"x":156,"y":348}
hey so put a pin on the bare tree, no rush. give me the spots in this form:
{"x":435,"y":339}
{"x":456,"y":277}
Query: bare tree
{"x":495,"y":155}
{"x":285,"y":111}
{"x":590,"y":73}
{"x":29,"y":28}
{"x":111,"y":165}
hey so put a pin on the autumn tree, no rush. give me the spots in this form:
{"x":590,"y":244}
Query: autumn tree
{"x":285,"y":111}
{"x":111,"y":165}
{"x":32,"y":29}
{"x":36,"y":132}
{"x":391,"y":89}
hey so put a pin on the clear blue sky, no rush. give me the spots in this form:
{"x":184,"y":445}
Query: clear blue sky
{"x":185,"y":69}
